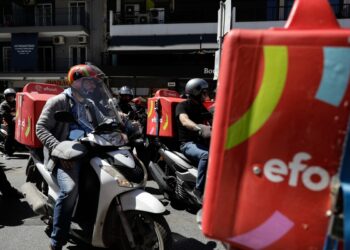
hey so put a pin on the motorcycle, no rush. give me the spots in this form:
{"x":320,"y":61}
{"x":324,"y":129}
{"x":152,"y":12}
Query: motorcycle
{"x":17,"y":147}
{"x":3,"y":135}
{"x":174,"y":173}
{"x":113,"y":210}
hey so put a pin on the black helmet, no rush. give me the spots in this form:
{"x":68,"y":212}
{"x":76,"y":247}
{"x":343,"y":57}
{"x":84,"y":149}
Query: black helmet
{"x":195,"y":86}
{"x":9,"y":92}
{"x":125,"y":90}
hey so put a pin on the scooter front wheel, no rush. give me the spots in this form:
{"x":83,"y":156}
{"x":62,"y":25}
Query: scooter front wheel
{"x":150,"y":231}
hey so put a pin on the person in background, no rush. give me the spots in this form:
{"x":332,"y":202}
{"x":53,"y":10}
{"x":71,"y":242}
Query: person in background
{"x":193,"y":130}
{"x":125,"y":97}
{"x":135,"y":118}
{"x":8,"y":113}
{"x":83,"y":80}
{"x":115,"y":94}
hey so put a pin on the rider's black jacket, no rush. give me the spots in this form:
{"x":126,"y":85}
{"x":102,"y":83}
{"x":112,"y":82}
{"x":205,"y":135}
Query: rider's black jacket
{"x":7,"y":109}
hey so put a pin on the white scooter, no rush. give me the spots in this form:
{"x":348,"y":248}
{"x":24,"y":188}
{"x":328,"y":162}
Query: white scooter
{"x":113,"y":210}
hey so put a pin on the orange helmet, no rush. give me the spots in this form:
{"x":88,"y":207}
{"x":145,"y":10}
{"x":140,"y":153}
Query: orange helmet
{"x":84,"y":70}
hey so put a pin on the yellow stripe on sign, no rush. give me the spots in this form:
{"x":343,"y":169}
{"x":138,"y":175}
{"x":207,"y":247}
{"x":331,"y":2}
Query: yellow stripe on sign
{"x":166,"y":123}
{"x":150,"y":111}
{"x":273,"y":82}
{"x":26,"y":133}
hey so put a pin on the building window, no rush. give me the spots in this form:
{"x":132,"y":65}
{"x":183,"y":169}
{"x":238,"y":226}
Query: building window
{"x":77,"y":55}
{"x":6,"y":58}
{"x":43,"y":14}
{"x":77,"y":14}
{"x":45,"y":58}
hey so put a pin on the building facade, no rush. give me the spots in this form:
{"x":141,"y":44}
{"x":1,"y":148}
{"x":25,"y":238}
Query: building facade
{"x":146,"y":44}
{"x":161,"y":43}
{"x":41,"y":39}
{"x":164,"y":43}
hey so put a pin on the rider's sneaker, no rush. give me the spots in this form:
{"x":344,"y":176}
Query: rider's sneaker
{"x":198,"y":195}
{"x":12,"y":194}
{"x":48,"y":230}
{"x":6,"y":157}
{"x":51,"y":247}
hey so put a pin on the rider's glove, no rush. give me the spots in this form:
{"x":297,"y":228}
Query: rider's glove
{"x":204,"y":131}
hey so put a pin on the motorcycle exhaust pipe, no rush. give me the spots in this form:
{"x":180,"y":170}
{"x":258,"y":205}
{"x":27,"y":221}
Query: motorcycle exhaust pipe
{"x":35,"y":199}
{"x":159,"y":176}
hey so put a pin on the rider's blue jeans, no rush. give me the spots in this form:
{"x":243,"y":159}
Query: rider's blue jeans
{"x":199,"y":153}
{"x":67,"y":180}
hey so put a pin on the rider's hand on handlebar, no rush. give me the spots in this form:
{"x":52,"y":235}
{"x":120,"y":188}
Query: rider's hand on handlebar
{"x":205,"y":131}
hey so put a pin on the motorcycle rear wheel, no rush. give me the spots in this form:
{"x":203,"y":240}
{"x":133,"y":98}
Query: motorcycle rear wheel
{"x":2,"y":142}
{"x":150,"y":231}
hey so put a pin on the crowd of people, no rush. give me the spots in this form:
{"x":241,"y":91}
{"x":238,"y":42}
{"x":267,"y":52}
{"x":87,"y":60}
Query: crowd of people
{"x":78,"y":99}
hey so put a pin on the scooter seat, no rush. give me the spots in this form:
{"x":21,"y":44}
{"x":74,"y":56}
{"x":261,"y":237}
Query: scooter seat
{"x":177,"y":160}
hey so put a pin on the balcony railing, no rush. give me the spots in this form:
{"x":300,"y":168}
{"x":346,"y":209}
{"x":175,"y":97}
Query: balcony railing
{"x":251,"y":13}
{"x":161,"y":15}
{"x":59,"y":17}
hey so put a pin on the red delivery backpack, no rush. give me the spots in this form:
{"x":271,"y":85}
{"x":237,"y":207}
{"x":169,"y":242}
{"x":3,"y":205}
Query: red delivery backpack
{"x":168,"y":100}
{"x":281,"y":118}
{"x":29,"y":104}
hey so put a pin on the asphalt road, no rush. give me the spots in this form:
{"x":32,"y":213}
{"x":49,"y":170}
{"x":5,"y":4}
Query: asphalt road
{"x":24,"y":230}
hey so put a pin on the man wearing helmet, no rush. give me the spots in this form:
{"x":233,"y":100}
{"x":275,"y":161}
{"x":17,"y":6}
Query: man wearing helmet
{"x":83,"y":80}
{"x":125,"y":97}
{"x":8,"y":113}
{"x":193,"y":132}
{"x":135,"y":119}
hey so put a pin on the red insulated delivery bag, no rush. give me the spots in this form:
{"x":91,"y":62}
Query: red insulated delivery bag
{"x":29,"y":104}
{"x":168,"y":99}
{"x":280,"y":122}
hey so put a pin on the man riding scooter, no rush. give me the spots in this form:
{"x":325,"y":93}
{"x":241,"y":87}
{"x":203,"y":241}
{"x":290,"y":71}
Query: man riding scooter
{"x":125,"y":97}
{"x":83,"y":80}
{"x":194,"y":130}
{"x":136,"y":115}
{"x":8,"y":113}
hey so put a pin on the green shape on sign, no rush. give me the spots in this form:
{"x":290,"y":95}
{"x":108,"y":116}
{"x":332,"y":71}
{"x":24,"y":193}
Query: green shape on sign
{"x":273,"y":82}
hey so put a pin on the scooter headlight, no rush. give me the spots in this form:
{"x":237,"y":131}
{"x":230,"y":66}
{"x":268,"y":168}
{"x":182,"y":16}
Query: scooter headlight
{"x":124,"y":183}
{"x":117,"y":176}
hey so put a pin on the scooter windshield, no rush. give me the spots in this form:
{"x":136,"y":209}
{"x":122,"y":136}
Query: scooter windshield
{"x":93,"y":105}
{"x":96,"y":90}
{"x":99,"y":114}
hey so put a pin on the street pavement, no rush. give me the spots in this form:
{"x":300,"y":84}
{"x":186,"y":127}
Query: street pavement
{"x":21,"y":229}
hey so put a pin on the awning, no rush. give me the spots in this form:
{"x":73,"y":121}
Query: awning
{"x":164,"y":42}
{"x":32,"y":76}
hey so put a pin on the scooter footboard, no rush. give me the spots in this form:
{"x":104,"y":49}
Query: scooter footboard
{"x":140,"y":200}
